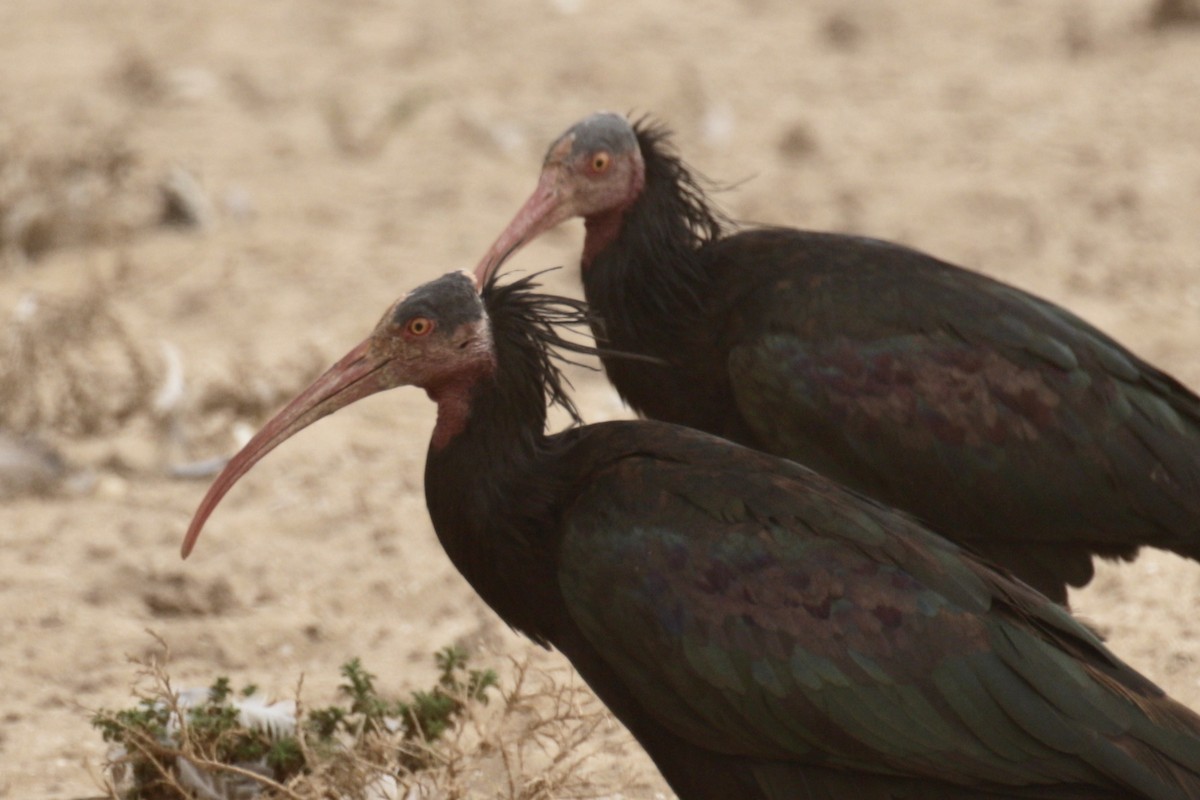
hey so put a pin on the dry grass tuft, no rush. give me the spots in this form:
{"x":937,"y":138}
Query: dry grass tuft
{"x":537,"y":744}
{"x":533,"y":744}
{"x":71,"y":365}
{"x":1172,"y":13}
{"x":60,"y":199}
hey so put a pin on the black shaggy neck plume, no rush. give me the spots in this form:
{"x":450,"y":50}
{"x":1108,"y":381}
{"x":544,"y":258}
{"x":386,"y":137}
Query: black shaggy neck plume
{"x":526,"y":328}
{"x":672,"y":187}
{"x":671,"y":220}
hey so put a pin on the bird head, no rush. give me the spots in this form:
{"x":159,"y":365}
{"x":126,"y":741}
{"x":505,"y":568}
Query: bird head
{"x":436,"y":337}
{"x":594,"y":168}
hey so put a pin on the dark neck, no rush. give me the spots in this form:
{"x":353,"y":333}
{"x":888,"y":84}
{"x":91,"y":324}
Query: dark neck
{"x":601,"y":231}
{"x":454,"y":409}
{"x":643,"y":265}
{"x":648,"y":285}
{"x":487,"y":501}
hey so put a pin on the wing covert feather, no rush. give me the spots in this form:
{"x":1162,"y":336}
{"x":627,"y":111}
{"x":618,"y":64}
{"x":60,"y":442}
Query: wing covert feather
{"x":982,"y":410}
{"x":777,"y":616}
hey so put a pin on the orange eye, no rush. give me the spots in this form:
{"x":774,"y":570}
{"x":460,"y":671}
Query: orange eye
{"x":419,"y":326}
{"x":600,"y":162}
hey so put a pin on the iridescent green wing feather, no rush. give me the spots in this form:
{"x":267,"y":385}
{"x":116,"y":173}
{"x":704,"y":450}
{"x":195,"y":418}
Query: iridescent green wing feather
{"x":757,"y":609}
{"x":999,"y":419}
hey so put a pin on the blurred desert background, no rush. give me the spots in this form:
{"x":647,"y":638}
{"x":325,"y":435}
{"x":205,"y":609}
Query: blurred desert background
{"x":204,"y":204}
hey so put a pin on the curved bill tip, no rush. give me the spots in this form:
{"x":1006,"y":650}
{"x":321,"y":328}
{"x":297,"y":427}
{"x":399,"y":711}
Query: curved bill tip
{"x":357,"y":375}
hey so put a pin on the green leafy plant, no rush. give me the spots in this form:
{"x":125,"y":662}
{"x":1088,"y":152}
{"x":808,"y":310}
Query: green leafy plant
{"x":466,"y":737}
{"x":219,"y":743}
{"x":423,"y":719}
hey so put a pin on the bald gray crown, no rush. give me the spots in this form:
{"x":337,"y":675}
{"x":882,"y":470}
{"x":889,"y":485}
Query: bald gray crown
{"x":602,"y":131}
{"x":451,"y":299}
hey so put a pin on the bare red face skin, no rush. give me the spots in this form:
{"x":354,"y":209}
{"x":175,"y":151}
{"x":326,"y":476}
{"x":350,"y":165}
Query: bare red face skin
{"x":593,"y":169}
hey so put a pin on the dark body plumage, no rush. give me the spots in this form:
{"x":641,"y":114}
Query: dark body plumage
{"x":1003,"y":421}
{"x":763,"y":632}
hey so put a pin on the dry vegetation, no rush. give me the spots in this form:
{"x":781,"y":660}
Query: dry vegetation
{"x":52,"y":199}
{"x":69,"y":364}
{"x":467,"y":737}
{"x":1169,"y":13}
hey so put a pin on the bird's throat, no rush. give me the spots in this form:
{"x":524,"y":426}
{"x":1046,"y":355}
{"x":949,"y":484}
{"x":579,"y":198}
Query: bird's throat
{"x":453,"y":410}
{"x":601,"y":231}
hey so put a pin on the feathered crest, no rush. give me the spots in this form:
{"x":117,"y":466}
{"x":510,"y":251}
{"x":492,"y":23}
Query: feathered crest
{"x":530,"y":324}
{"x":678,"y":189}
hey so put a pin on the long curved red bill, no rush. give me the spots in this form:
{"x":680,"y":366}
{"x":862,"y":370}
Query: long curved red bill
{"x":358,"y":374}
{"x":541,"y":212}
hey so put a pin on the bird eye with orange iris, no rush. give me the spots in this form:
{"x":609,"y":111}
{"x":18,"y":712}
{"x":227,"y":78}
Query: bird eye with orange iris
{"x":419,"y":326}
{"x":600,"y":162}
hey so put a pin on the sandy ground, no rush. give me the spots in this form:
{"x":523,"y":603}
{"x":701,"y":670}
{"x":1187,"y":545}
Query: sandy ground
{"x":351,"y":150}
